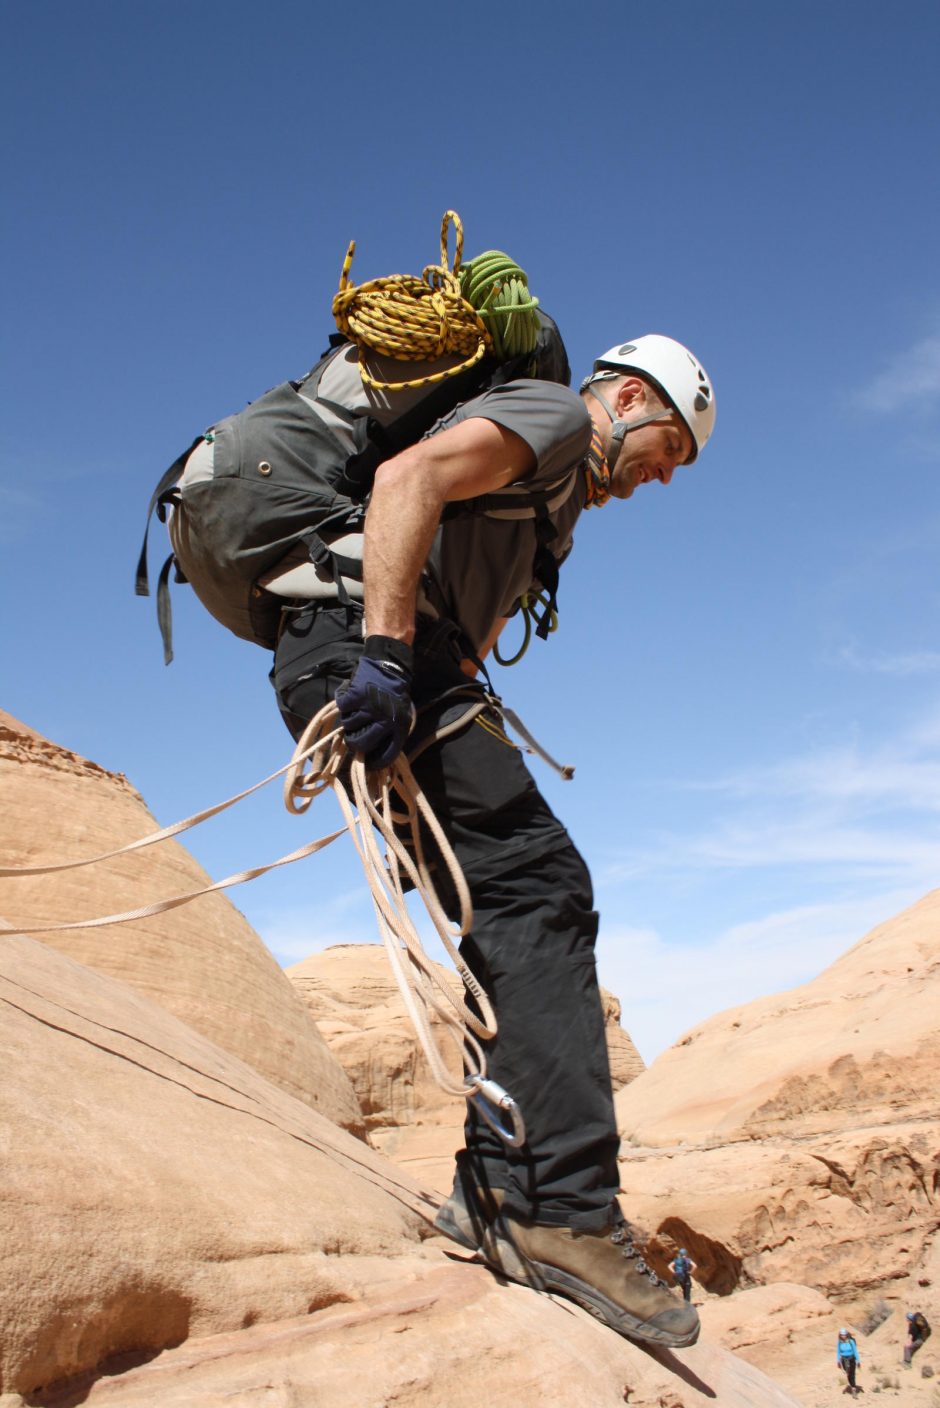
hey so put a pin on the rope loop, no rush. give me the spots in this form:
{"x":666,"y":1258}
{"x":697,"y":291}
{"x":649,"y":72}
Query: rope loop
{"x":527,"y":610}
{"x":495,"y":285}
{"x":388,"y":805}
{"x":411,"y":319}
{"x":464,"y":310}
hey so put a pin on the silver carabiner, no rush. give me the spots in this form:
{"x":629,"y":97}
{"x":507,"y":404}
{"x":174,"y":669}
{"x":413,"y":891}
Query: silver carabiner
{"x":491,"y":1097}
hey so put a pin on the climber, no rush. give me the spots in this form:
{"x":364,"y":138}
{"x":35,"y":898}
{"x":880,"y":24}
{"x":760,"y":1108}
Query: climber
{"x":848,"y":1359}
{"x":918,"y":1330}
{"x":459,"y":527}
{"x":376,"y":524}
{"x":683,"y":1269}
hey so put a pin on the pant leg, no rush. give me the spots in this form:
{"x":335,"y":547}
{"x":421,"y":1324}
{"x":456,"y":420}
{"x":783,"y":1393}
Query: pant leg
{"x":532,"y":944}
{"x":532,"y":947}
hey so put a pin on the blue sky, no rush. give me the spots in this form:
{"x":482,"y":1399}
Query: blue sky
{"x":747,"y":670}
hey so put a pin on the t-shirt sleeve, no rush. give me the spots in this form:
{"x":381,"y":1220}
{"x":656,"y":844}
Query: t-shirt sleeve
{"x":551,"y":419}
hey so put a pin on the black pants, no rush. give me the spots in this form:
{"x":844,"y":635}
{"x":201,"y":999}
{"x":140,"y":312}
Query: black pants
{"x":848,"y":1364}
{"x":686,"y":1283}
{"x":532,"y":945}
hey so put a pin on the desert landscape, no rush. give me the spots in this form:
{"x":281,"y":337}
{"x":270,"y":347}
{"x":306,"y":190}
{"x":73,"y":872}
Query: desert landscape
{"x":219,"y":1179}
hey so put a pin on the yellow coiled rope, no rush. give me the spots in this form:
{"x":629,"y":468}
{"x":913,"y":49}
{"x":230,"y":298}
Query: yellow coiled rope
{"x":485,"y":307}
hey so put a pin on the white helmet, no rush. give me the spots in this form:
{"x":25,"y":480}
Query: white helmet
{"x":676,"y":373}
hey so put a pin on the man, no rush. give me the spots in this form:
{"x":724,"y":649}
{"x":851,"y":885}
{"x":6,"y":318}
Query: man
{"x":918,"y":1330}
{"x":683,"y":1268}
{"x":444,"y":564}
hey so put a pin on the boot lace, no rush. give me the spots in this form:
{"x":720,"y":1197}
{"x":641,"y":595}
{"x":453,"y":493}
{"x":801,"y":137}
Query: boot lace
{"x":622,"y":1238}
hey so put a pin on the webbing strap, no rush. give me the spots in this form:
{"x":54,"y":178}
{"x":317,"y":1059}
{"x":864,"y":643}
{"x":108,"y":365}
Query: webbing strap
{"x":165,"y":609}
{"x":168,"y":479}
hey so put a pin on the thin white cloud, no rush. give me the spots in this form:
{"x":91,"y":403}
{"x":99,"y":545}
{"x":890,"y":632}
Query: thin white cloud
{"x":817,"y":848}
{"x":813,"y":844}
{"x":293,"y":934}
{"x":668,"y":987}
{"x":915,"y":662}
{"x":839,"y":822}
{"x":910,"y":378}
{"x":903,"y":772}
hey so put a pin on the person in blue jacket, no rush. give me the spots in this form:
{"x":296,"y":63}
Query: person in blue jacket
{"x":847,"y":1357}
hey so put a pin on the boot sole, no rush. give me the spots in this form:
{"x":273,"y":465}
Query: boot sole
{"x":507,"y":1259}
{"x":610,"y":1314}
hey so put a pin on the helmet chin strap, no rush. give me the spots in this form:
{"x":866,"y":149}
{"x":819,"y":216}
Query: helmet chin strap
{"x":620,"y":428}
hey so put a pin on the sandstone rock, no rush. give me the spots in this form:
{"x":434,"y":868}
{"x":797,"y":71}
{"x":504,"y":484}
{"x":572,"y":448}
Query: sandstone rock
{"x":203,"y":962}
{"x":795,"y":1139}
{"x":848,"y":1220}
{"x":450,"y":1337}
{"x":155,"y":1192}
{"x":765,"y":1324}
{"x":626,"y":1063}
{"x":351,"y":993}
{"x":856,"y":1046}
{"x":153,"y":1186}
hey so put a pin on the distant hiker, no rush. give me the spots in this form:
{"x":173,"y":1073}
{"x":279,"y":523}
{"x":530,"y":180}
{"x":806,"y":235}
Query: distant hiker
{"x":847,"y":1358}
{"x":918,"y":1330}
{"x":683,"y":1269}
{"x":433,"y":530}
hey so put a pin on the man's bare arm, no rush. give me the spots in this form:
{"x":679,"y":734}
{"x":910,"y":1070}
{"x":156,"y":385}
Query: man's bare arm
{"x":410,"y":491}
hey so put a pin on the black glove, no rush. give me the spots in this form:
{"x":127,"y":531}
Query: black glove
{"x":375,"y":706}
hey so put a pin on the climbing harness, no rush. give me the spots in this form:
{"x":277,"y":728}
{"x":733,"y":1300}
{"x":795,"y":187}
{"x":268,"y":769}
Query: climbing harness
{"x":597,"y":493}
{"x":484,"y":307}
{"x":390,"y":804}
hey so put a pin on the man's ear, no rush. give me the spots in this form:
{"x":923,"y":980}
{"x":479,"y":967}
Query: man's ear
{"x":631,"y":396}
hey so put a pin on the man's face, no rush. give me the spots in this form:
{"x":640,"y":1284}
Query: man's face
{"x":650,"y":454}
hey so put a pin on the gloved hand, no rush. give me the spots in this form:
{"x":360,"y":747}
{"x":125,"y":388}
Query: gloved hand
{"x":375,"y":706}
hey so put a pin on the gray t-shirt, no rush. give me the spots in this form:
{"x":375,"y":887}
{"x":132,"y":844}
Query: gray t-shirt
{"x":482,"y":563}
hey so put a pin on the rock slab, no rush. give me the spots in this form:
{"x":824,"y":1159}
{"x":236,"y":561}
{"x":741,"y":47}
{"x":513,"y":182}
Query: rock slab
{"x":203,"y":962}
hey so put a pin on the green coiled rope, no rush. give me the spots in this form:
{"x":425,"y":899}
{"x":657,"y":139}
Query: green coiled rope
{"x":498,"y":289}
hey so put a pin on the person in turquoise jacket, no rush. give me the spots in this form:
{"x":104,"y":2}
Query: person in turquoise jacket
{"x":847,"y":1357}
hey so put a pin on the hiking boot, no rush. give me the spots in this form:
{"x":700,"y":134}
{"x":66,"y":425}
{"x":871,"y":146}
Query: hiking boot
{"x":466,"y":1218}
{"x":467,"y":1213}
{"x":601,"y":1271}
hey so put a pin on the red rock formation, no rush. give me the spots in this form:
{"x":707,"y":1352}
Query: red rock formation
{"x":157,"y":1192}
{"x":350,"y":991}
{"x":202,"y":962}
{"x":796,"y":1138}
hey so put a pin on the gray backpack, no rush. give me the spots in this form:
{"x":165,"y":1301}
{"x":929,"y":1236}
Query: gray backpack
{"x":281,"y":478}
